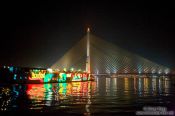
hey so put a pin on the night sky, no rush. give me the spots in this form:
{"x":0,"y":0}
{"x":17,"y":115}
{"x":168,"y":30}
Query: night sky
{"x":37,"y":34}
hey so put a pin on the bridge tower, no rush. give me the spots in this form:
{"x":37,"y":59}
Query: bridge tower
{"x":88,"y":52}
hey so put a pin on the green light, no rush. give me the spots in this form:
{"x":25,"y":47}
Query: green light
{"x":11,"y":69}
{"x":62,"y":77}
{"x":48,"y":77}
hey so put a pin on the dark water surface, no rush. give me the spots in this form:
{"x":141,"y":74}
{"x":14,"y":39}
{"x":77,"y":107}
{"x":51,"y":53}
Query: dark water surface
{"x":105,"y":96}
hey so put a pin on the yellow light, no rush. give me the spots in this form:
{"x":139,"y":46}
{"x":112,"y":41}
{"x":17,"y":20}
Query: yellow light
{"x":69,"y":75}
{"x":65,"y":69}
{"x":72,"y":69}
{"x":37,"y":76}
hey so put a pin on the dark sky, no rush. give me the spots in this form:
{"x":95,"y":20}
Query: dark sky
{"x":36,"y":34}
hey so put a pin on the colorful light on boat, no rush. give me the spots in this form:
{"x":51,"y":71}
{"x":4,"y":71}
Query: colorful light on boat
{"x":47,"y":76}
{"x":37,"y":74}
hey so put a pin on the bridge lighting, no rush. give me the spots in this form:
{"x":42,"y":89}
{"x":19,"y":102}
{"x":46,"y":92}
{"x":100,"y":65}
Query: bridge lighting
{"x":160,"y":71}
{"x":153,"y":71}
{"x":166,"y":71}
{"x":109,"y":53}
{"x":139,"y":72}
{"x":114,"y":71}
{"x":97,"y":72}
{"x":125,"y":71}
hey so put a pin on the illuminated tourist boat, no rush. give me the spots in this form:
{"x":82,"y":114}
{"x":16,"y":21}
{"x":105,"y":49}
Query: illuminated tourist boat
{"x":10,"y":74}
{"x":45,"y":76}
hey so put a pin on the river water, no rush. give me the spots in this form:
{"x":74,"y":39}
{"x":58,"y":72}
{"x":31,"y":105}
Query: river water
{"x":105,"y":96}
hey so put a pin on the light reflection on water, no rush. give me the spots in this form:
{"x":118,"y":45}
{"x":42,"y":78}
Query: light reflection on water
{"x":105,"y":95}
